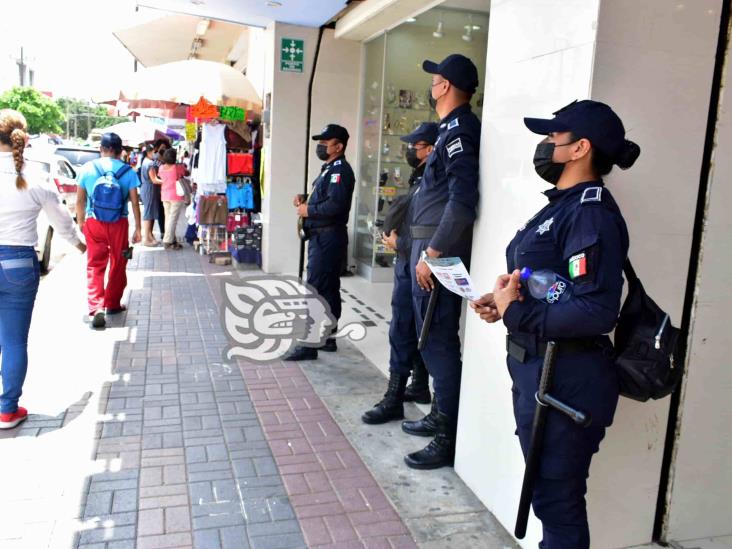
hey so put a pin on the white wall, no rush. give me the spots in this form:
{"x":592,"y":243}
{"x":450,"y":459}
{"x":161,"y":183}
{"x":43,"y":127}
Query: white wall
{"x":651,"y":61}
{"x":702,"y":481}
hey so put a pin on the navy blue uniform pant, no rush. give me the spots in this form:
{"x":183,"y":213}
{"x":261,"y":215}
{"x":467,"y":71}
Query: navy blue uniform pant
{"x":441,"y":354}
{"x":588,"y":382}
{"x":402,"y":331}
{"x":326,"y":251}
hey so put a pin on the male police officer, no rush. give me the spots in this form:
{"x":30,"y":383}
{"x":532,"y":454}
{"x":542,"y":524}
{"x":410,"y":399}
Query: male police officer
{"x":402,"y":332}
{"x":325,"y":216}
{"x":443,"y":214}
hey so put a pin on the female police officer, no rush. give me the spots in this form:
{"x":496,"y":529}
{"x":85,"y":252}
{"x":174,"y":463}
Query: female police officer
{"x":581,"y":236}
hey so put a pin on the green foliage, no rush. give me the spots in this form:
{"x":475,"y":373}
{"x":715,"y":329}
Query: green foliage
{"x":41,"y":112}
{"x":83,"y":117}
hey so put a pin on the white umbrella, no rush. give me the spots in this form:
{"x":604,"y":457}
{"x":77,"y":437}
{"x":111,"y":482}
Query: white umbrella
{"x":135,"y":133}
{"x":186,"y":82}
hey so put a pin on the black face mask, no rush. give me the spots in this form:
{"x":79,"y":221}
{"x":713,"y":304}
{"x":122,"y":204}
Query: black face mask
{"x":321,"y":152}
{"x":412,"y":159}
{"x":545,"y":167}
{"x":432,"y":100}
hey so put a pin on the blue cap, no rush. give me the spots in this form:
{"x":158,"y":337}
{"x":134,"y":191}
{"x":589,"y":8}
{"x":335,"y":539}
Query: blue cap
{"x":426,"y":131}
{"x":457,"y":69}
{"x":333,"y":131}
{"x":111,"y":141}
{"x":585,"y":119}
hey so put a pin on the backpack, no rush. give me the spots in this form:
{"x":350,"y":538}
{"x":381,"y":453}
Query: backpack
{"x":646,"y":345}
{"x":107,"y":197}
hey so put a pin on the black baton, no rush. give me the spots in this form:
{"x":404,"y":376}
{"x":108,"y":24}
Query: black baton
{"x":428,"y":318}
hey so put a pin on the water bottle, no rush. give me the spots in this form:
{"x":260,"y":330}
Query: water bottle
{"x":546,"y":285}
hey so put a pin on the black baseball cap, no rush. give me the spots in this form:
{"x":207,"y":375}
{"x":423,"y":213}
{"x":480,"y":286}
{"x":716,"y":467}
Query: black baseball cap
{"x":457,"y":69}
{"x":426,"y":131}
{"x":333,"y":131}
{"x":585,"y":119}
{"x":111,"y":141}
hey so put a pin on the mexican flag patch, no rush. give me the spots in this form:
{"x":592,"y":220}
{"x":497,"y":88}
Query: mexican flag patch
{"x":577,"y":265}
{"x":335,"y":178}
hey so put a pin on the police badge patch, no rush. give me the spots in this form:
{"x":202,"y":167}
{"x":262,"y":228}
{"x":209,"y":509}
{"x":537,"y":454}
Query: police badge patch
{"x":545,"y":226}
{"x":454,"y":147}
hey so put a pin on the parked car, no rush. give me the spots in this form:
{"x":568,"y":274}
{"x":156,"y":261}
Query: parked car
{"x":77,"y":155}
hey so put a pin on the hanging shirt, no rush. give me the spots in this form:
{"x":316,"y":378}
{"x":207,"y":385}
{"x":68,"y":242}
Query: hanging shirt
{"x":211,"y":174}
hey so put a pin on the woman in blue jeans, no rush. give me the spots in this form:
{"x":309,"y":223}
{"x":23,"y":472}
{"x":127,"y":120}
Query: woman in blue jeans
{"x":24,"y":192}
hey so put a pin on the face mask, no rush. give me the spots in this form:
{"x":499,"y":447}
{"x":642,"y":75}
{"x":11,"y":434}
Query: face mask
{"x":545,"y":167}
{"x":432,"y":100}
{"x":321,"y":152}
{"x":412,"y":159}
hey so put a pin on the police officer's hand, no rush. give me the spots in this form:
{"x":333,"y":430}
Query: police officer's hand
{"x":506,"y":291}
{"x":485,"y":307}
{"x":302,"y":210}
{"x":391,"y":240}
{"x":423,"y":273}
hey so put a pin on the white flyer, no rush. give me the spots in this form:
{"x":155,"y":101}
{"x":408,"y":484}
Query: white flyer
{"x":452,"y":274}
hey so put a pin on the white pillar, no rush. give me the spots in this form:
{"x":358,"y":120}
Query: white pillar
{"x":652,"y":62}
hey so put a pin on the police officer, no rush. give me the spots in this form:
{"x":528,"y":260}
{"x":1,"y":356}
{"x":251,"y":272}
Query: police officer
{"x":325,"y":216}
{"x":580,"y":235}
{"x":405,"y":357}
{"x":442,"y":225}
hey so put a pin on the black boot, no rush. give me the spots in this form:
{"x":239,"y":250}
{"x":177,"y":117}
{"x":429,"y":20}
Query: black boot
{"x":390,"y":407}
{"x":419,"y":390}
{"x":301,"y":353}
{"x":329,"y":346}
{"x":440,"y":452}
{"x":425,"y":427}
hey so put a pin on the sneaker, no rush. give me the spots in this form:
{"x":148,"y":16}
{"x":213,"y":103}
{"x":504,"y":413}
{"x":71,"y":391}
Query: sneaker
{"x":98,"y":320}
{"x":118,"y":310}
{"x":10,"y":420}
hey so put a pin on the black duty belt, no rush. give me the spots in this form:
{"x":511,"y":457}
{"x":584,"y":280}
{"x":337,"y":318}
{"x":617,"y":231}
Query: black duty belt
{"x":327,"y":228}
{"x":519,"y":351}
{"x":422,"y":232}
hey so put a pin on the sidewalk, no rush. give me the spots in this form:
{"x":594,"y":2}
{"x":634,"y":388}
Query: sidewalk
{"x":147,"y":439}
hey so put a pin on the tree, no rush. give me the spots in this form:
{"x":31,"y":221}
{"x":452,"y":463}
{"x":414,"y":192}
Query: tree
{"x":83,"y":117}
{"x":41,"y":112}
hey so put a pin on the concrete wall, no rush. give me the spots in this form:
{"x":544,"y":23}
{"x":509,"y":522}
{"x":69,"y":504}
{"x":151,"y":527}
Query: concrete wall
{"x":701,"y":479}
{"x":653,"y":63}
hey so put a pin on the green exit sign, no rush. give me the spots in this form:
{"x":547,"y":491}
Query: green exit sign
{"x":292,"y":55}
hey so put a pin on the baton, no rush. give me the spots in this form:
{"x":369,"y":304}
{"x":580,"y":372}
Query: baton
{"x":428,"y":318}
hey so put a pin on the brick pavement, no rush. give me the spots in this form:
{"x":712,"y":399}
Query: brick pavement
{"x":209,"y":454}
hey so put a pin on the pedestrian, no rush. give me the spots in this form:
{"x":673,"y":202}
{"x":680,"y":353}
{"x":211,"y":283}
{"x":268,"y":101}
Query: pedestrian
{"x":161,"y":145}
{"x":443,"y":213}
{"x":581,"y":236}
{"x":24,"y":192}
{"x":170,"y":172}
{"x":404,"y":356}
{"x":105,"y":186}
{"x":150,"y":198}
{"x":325,"y":216}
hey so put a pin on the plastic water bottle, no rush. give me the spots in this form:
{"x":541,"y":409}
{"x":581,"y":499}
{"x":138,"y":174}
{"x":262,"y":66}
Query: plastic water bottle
{"x":546,"y":285}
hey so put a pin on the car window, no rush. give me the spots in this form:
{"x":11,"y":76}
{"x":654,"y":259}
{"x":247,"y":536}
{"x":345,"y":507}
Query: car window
{"x":78,"y":157}
{"x":65,"y":170}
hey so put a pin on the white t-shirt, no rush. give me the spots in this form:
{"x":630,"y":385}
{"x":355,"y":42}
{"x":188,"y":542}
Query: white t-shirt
{"x":19,"y":209}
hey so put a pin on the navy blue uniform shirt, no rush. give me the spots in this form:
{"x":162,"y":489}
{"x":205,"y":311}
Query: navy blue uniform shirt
{"x":330,"y":201}
{"x":580,"y":235}
{"x":448,"y":195}
{"x":404,"y":239}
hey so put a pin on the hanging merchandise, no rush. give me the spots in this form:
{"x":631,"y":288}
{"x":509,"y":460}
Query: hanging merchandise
{"x":211,"y":175}
{"x":212,"y":210}
{"x":232,"y":113}
{"x":240,"y":164}
{"x":191,"y":131}
{"x":240,"y":194}
{"x":204,"y":110}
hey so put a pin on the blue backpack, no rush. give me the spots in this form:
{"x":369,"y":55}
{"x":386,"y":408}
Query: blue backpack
{"x":107,"y":197}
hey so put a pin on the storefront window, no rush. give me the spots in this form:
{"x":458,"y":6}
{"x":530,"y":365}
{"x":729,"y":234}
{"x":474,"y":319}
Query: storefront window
{"x":395,"y":101}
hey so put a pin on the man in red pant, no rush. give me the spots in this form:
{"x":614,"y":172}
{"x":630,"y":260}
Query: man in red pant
{"x":105,"y":187}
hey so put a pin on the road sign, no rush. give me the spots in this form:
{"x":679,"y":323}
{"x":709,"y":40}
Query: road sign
{"x":292,"y":55}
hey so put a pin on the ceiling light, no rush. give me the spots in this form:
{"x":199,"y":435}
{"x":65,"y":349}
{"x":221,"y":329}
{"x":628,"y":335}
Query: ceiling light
{"x":438,"y":31}
{"x":476,"y":27}
{"x":273,"y":4}
{"x":202,"y":27}
{"x":197,"y":2}
{"x":468,"y":36}
{"x":411,"y":20}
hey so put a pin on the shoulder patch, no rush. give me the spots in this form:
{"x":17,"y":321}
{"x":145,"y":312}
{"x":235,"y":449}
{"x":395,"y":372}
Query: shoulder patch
{"x":453,"y":124}
{"x":337,"y":163}
{"x":335,"y":178}
{"x":591,"y":194}
{"x":454,"y":147}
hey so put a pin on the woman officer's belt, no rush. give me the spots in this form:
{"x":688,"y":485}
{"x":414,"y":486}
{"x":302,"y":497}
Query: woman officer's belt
{"x":422,"y":232}
{"x":569,"y":346}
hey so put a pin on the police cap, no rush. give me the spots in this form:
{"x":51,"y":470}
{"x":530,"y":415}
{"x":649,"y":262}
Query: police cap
{"x":585,"y":119}
{"x":426,"y":131}
{"x":457,"y":69}
{"x":333,"y":131}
